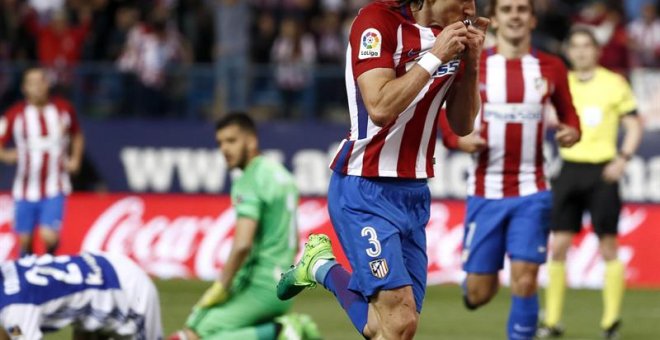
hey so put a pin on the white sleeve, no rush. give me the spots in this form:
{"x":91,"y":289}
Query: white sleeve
{"x":21,"y":322}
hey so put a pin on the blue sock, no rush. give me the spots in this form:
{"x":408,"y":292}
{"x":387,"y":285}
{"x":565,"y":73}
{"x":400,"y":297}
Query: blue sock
{"x":335,"y":279}
{"x":523,"y":317}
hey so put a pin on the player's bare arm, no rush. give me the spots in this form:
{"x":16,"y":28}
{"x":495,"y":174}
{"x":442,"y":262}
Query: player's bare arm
{"x":386,"y":96}
{"x":568,"y":130}
{"x":241,"y":247}
{"x":77,"y":149}
{"x":633,"y":136}
{"x":463,"y":101}
{"x":8,"y":156}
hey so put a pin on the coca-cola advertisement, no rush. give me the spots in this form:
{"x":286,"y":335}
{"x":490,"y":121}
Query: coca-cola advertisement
{"x":189,"y":236}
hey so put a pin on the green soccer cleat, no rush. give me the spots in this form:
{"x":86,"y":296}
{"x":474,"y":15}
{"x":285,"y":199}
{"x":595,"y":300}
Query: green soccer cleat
{"x":297,"y":327}
{"x":292,"y":327}
{"x":299,"y":276}
{"x":310,"y":329}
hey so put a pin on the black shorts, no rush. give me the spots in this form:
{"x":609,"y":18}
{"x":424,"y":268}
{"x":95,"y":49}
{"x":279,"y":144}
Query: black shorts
{"x":578,"y":188}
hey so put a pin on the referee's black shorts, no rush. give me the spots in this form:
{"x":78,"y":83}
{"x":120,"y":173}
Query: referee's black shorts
{"x":578,"y":188}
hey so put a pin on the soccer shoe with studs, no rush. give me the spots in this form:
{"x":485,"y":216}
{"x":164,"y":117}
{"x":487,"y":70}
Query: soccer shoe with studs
{"x":300,"y":276}
{"x":548,"y":332}
{"x":310,"y":328}
{"x":292,"y":328}
{"x":612,"y":332}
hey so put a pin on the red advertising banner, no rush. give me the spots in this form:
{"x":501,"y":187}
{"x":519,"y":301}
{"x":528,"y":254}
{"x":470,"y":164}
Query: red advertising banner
{"x":190,"y":236}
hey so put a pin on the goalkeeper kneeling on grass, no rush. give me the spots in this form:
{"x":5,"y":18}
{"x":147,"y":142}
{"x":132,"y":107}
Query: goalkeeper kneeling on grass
{"x":242,"y":303}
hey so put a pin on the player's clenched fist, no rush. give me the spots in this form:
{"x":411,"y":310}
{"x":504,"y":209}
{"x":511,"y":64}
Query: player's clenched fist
{"x":566,"y":135}
{"x":476,"y":35}
{"x":450,"y":42}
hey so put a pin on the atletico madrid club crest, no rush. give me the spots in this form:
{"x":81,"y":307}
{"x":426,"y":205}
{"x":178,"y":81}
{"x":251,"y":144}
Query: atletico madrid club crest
{"x":379,"y":268}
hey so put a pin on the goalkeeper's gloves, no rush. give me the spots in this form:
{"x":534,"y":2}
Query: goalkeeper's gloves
{"x":214,"y":295}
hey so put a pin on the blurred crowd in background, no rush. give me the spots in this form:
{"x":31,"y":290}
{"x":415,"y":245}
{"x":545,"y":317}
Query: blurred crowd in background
{"x":197,"y":59}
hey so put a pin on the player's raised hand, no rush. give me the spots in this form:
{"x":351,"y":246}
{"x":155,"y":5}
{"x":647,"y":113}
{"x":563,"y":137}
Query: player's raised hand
{"x":566,"y":136}
{"x":214,"y":295}
{"x":476,"y":35}
{"x":450,"y":42}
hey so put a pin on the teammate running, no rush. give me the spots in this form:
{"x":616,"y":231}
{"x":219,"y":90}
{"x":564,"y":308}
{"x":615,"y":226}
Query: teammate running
{"x":509,"y":202}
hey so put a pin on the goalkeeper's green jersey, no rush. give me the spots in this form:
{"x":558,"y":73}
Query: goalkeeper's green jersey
{"x":266,"y":193}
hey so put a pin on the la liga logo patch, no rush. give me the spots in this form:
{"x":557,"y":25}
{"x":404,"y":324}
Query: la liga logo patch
{"x":371,"y":42}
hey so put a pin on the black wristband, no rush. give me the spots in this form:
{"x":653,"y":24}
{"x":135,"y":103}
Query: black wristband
{"x":625,"y":156}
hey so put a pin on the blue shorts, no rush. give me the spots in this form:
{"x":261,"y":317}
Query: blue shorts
{"x":381,"y":225}
{"x":517,"y":226}
{"x":45,"y":213}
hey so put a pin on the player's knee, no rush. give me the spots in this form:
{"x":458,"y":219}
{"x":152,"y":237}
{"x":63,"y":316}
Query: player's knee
{"x":524,"y":285}
{"x":49,"y":236}
{"x":398,"y":315}
{"x":608,"y":248}
{"x":559,"y":252}
{"x":560,"y":245}
{"x":478,"y":295}
{"x":405,"y":324}
{"x":409,"y":326}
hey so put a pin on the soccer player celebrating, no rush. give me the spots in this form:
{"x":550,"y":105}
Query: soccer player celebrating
{"x":102,"y":296}
{"x":43,"y":130}
{"x":241,"y":303}
{"x":405,"y":59}
{"x":509,"y":204}
{"x":589,"y":177}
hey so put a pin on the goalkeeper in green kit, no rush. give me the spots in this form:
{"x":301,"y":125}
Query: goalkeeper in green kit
{"x":242,"y":303}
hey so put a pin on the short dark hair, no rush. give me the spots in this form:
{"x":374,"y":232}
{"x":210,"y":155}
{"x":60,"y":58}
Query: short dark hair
{"x":241,"y":119}
{"x":492,"y":5}
{"x":582,"y":29}
{"x":403,"y":3}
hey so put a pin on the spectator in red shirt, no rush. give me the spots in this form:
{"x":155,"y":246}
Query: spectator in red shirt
{"x":606,"y":21}
{"x":59,"y":44}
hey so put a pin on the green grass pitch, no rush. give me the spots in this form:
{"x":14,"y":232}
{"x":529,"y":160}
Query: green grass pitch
{"x":443,"y":316}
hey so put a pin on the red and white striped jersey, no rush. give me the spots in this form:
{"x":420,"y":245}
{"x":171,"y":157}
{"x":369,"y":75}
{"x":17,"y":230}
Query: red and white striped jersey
{"x":42,"y":137}
{"x":514,"y":93}
{"x":385,"y":35}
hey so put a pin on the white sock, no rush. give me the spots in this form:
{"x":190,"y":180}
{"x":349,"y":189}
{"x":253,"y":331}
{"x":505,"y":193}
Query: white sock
{"x":316,"y":266}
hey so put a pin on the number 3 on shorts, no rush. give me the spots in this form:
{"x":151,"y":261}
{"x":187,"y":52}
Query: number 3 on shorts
{"x":373,"y":241}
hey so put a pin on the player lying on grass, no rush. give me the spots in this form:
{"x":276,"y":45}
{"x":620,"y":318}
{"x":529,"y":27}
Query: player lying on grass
{"x":101,"y":296}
